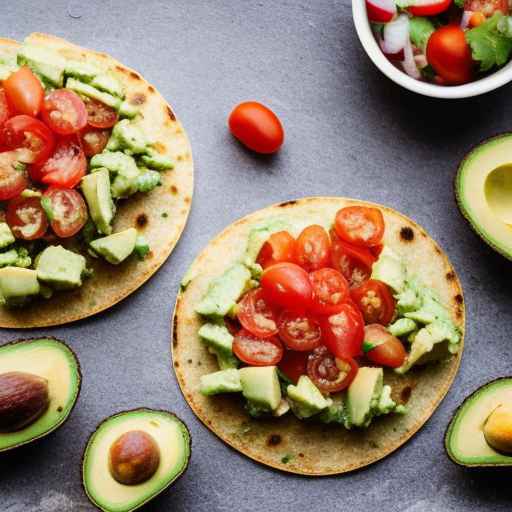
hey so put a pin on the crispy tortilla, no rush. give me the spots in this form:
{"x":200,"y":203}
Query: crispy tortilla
{"x":287,"y":443}
{"x":159,"y":215}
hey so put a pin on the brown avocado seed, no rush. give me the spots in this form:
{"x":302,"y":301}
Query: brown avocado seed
{"x":498,"y":429}
{"x":23,"y":399}
{"x":134,"y":457}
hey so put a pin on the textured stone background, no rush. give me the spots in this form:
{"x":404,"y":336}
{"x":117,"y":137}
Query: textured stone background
{"x":349,"y":132}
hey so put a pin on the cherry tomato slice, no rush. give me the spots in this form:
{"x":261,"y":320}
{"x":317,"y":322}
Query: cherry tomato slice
{"x":330,"y":291}
{"x":5,"y":109}
{"x":299,"y":332}
{"x":13,"y":180}
{"x":94,"y":140}
{"x":257,"y":127}
{"x":313,"y":248}
{"x":279,"y":247}
{"x":66,"y":167}
{"x":26,"y":218}
{"x":343,"y":332}
{"x":330,"y":374}
{"x":24,"y":92}
{"x":100,"y":115}
{"x":257,"y":351}
{"x":383,"y":348}
{"x":255,"y":314}
{"x":287,"y":285}
{"x":64,"y":112}
{"x":487,"y":7}
{"x":360,"y":225}
{"x":375,"y":300}
{"x":68,"y":211}
{"x":432,"y":9}
{"x":31,"y":135}
{"x":294,"y":364}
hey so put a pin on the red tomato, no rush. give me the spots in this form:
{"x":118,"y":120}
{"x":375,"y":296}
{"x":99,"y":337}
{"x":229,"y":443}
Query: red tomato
{"x":100,"y":115}
{"x":376,"y":250}
{"x":69,"y":211}
{"x":380,"y":12}
{"x":5,"y":110}
{"x":12,"y":179}
{"x":279,"y":247}
{"x":257,"y":351}
{"x":330,"y":291}
{"x":32,"y":135}
{"x":293,"y":364}
{"x":287,"y":285}
{"x":430,"y":9}
{"x":360,"y":225}
{"x":375,"y":301}
{"x":256,"y":127}
{"x":94,"y":140}
{"x":26,"y":218}
{"x":342,"y":333}
{"x":330,"y":374}
{"x":383,"y":348}
{"x":487,"y":7}
{"x":299,"y":332}
{"x":66,"y":167}
{"x":24,"y":92}
{"x":313,"y":248}
{"x":255,"y":314}
{"x":64,"y":112}
{"x":355,"y":263}
{"x":450,"y":55}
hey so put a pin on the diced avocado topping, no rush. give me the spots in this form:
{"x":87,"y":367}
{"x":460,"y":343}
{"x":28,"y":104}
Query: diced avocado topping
{"x":83,"y":71}
{"x":59,"y":268}
{"x":282,"y":408}
{"x":128,"y":110}
{"x":157,"y":161}
{"x":362,"y":397}
{"x":260,"y":386}
{"x":130,"y":137}
{"x":305,"y":398}
{"x":141,"y":248}
{"x":17,"y":285}
{"x":124,"y":169}
{"x":147,"y":180}
{"x":402,"y":326}
{"x":16,"y":257}
{"x":92,"y":92}
{"x":335,"y":413}
{"x":96,"y":189}
{"x":46,"y":63}
{"x":117,"y":247}
{"x":106,"y":82}
{"x":224,"y":291}
{"x":225,"y":381}
{"x":217,"y":337}
{"x":6,"y":236}
{"x":390,"y":269}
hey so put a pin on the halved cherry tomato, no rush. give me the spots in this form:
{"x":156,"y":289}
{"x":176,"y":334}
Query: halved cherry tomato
{"x":342,"y":333}
{"x":376,"y":250}
{"x":287,"y":285}
{"x":13,"y":179}
{"x":255,"y":314}
{"x":257,"y":127}
{"x":429,"y":7}
{"x":313,"y":248}
{"x":5,"y":110}
{"x":32,"y":135}
{"x":360,"y":225}
{"x":279,"y":247}
{"x":355,"y":263}
{"x":66,"y":167}
{"x":68,"y":211}
{"x":26,"y":218}
{"x":375,"y":300}
{"x":24,"y":92}
{"x":64,"y":112}
{"x":382,"y":347}
{"x":487,"y":7}
{"x":257,"y":351}
{"x":299,"y":332}
{"x":94,"y":140}
{"x":100,"y":115}
{"x":330,"y":291}
{"x":294,"y":364}
{"x":330,"y":374}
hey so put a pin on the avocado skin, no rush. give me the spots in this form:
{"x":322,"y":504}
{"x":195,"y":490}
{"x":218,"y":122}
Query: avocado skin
{"x":77,"y":393}
{"x":460,"y":203}
{"x":137,"y":409}
{"x":450,"y":425}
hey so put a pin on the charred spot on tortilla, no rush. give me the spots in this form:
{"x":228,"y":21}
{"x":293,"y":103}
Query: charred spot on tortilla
{"x":274,"y":440}
{"x":138,"y":99}
{"x":176,"y":364}
{"x":141,"y":220}
{"x":405,"y":394}
{"x":458,"y":299}
{"x":450,"y":276}
{"x":458,"y":313}
{"x":171,"y":113}
{"x":187,"y":200}
{"x":174,"y":189}
{"x":406,"y":234}
{"x":134,"y":75}
{"x":438,"y":250}
{"x":159,"y":147}
{"x":151,"y":88}
{"x":287,"y":203}
{"x":301,"y":455}
{"x":189,"y":361}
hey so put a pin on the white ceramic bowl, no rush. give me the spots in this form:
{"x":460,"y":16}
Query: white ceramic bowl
{"x":364,"y":31}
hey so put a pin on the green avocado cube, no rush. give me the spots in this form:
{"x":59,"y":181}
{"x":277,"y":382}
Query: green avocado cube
{"x":92,"y":92}
{"x":128,"y":110}
{"x":81,"y":70}
{"x":130,"y":137}
{"x":402,"y":326}
{"x":225,"y":381}
{"x":390,"y":269}
{"x":46,"y":63}
{"x":96,"y":189}
{"x":6,"y":236}
{"x":305,"y":398}
{"x":124,"y":169}
{"x":9,"y":258}
{"x":217,"y":337}
{"x":60,"y":268}
{"x":157,"y":161}
{"x":117,"y":247}
{"x":362,"y":396}
{"x":17,"y":285}
{"x":108,"y":83}
{"x":147,"y":180}
{"x":260,"y":386}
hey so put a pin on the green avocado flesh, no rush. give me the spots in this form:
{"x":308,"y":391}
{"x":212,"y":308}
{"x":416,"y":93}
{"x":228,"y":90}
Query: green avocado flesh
{"x":55,"y":362}
{"x":173,"y":440}
{"x":464,"y":441}
{"x":483,"y":188}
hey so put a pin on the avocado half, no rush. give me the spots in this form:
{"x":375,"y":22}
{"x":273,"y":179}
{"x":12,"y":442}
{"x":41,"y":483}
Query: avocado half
{"x":483,"y":190}
{"x":45,"y":360}
{"x":464,"y":441}
{"x":173,"y":440}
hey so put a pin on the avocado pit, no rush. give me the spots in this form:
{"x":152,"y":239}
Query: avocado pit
{"x":498,"y":429}
{"x":134,"y":457}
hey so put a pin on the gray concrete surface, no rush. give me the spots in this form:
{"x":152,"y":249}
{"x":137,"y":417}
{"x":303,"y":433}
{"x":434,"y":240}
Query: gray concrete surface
{"x":349,"y":132}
